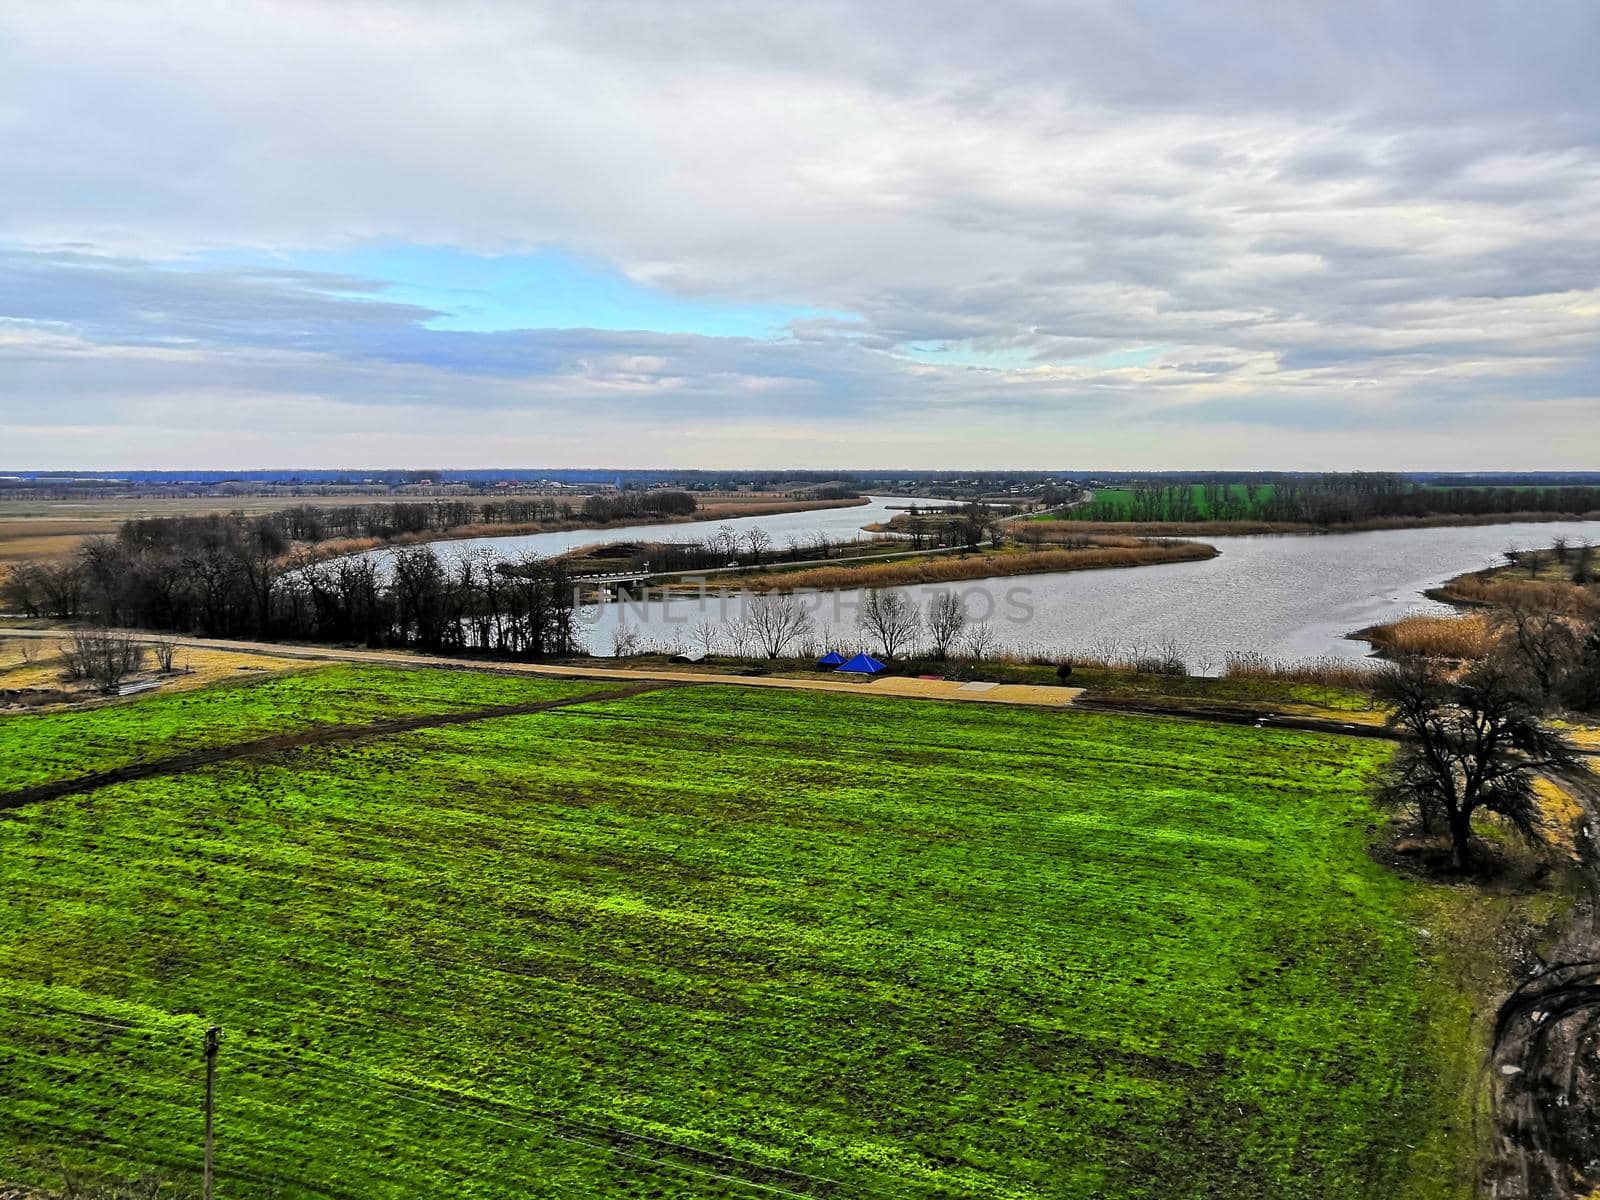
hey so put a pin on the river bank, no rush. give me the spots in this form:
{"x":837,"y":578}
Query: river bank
{"x":986,"y":563}
{"x":1251,"y":528}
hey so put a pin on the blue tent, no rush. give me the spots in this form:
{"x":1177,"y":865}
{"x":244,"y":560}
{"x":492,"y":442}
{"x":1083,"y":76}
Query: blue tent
{"x":862,"y":664}
{"x":831,"y":659}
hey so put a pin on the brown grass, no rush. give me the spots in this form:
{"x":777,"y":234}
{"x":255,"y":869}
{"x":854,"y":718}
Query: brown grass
{"x":1468,"y":636}
{"x":1127,"y":552}
{"x":46,"y":539}
{"x":1323,"y":672}
{"x":1503,"y":590}
{"x":196,"y":667}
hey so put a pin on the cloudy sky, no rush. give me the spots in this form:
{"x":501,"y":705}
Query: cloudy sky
{"x":704,"y":233}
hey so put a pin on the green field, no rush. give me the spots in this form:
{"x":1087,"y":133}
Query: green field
{"x":46,"y":747}
{"x":1176,"y":502}
{"x":714,"y":941}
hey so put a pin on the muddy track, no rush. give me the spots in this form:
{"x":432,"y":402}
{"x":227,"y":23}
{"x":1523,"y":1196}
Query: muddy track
{"x":178,"y":764}
{"x":1544,"y":1064}
{"x":1221,"y":715}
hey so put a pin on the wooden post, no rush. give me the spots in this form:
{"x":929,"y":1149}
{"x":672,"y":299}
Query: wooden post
{"x":213,"y":1041}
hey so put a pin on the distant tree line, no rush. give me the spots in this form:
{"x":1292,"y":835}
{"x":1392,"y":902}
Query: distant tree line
{"x":1333,"y":499}
{"x":321,"y":522}
{"x":239,"y":576}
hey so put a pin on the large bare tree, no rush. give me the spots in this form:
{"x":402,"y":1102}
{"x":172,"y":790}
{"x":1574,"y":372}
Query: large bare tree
{"x":775,"y":620}
{"x":891,"y":618}
{"x":1472,"y":744}
{"x":947,"y":617}
{"x":758,"y":541}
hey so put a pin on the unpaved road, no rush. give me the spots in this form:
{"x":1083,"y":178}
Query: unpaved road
{"x":923,"y":689}
{"x":1544,"y":1066}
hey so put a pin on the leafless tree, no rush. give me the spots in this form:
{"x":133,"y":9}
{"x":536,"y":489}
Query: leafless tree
{"x":704,"y":634}
{"x":727,"y":542}
{"x":625,"y":640}
{"x":1475,"y":743}
{"x":890,"y":618}
{"x":1541,"y":642}
{"x":981,"y":642}
{"x":947,"y":617}
{"x":739,"y":636}
{"x":775,"y":621}
{"x":164,"y":649}
{"x":758,"y":541}
{"x":105,"y":657}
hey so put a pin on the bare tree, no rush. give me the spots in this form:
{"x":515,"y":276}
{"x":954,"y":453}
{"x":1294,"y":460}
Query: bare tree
{"x":775,"y":621}
{"x":164,"y":649}
{"x":1475,"y":743}
{"x":727,"y":542}
{"x":947,"y":617}
{"x":625,"y":640}
{"x":1540,"y":641}
{"x":758,"y":541}
{"x":104,"y":657}
{"x":889,"y":617}
{"x":704,"y":634}
{"x":981,"y":641}
{"x":739,"y":636}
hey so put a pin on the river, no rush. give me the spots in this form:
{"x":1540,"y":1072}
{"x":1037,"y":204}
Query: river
{"x":1286,"y":596}
{"x":840,"y":524}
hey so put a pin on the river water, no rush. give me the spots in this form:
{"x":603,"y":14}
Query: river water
{"x":840,"y":524}
{"x":1286,"y":596}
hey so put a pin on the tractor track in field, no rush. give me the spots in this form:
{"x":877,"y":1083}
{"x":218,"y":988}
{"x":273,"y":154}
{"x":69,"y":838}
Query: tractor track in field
{"x":1544,"y":1064}
{"x":321,"y":735}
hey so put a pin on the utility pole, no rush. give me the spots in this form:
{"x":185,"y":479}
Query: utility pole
{"x":213,"y":1042}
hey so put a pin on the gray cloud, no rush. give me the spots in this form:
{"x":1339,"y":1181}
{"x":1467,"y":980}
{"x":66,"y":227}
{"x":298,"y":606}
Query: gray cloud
{"x":1376,"y":218}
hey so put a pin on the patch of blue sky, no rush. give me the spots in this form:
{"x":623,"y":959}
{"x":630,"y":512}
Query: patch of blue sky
{"x":543,"y":289}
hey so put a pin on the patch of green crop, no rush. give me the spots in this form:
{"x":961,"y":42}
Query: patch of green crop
{"x":1174,"y":502}
{"x":38,"y":748}
{"x":726,"y":942}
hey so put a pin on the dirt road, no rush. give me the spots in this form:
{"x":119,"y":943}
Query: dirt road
{"x":922,"y":689}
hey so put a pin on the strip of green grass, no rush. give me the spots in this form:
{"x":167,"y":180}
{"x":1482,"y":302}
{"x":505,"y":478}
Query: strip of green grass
{"x":43,"y":747}
{"x":1175,"y":502}
{"x":920,"y":949}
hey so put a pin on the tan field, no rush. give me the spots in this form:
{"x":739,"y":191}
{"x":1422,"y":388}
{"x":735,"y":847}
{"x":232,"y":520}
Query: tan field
{"x":34,"y":665}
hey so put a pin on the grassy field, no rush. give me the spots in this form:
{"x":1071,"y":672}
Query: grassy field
{"x":1188,"y":501}
{"x":50,"y":746}
{"x":717,"y":942}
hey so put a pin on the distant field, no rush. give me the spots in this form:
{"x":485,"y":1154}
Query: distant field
{"x":52,"y":530}
{"x":1238,"y":503}
{"x":715,"y":942}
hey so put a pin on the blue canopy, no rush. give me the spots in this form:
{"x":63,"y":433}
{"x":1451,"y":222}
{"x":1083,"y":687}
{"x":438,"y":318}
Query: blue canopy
{"x":862,"y":664}
{"x":831,"y":659}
